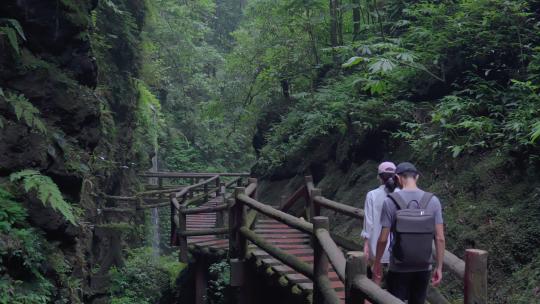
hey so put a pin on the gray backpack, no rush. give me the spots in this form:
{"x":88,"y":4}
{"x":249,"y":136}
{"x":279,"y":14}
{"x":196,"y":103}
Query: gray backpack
{"x":413,"y":230}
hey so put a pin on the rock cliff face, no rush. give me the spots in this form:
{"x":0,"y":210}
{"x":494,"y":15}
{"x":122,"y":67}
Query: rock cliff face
{"x":86,"y":147}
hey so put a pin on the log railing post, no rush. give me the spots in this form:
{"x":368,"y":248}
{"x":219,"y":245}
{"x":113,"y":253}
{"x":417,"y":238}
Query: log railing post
{"x":182,"y":227}
{"x":218,"y":186}
{"x":475,"y":281}
{"x":355,"y":267}
{"x":238,"y":214}
{"x":313,"y":207}
{"x":220,"y":215}
{"x":173,"y":225}
{"x":238,"y":246}
{"x":233,"y":229}
{"x":320,"y":259}
{"x":205,"y":189}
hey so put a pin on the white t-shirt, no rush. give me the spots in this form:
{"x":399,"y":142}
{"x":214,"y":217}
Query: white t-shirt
{"x":372,"y":221}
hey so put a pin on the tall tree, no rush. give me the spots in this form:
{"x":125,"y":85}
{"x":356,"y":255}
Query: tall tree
{"x":356,"y":13}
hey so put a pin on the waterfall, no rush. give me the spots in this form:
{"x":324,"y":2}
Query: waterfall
{"x":154,"y":216}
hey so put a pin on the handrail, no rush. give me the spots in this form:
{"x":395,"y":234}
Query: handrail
{"x":234,"y":181}
{"x":323,"y":237}
{"x":190,"y":174}
{"x":276,"y":214}
{"x":187,"y":189}
{"x":300,"y":192}
{"x":339,"y":207}
{"x":288,"y":259}
{"x":205,"y":209}
{"x":374,"y":292}
{"x":334,"y":254}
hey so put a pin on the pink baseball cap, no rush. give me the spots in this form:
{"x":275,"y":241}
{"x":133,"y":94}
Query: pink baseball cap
{"x":387,"y":167}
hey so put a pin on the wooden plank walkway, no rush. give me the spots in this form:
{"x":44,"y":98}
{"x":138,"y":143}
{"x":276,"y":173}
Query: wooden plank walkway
{"x":296,"y":243}
{"x":204,"y":221}
{"x":290,"y":240}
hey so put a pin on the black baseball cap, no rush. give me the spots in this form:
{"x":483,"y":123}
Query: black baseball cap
{"x":406,"y":167}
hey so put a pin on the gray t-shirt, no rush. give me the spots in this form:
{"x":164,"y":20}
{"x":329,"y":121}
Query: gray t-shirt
{"x":388,"y":215}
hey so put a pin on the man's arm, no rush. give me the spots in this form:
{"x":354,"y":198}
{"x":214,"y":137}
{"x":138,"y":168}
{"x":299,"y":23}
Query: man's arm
{"x":440,"y":245}
{"x":381,"y":246}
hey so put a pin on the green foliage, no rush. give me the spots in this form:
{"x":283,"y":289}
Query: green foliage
{"x":144,"y":278}
{"x":149,"y":121}
{"x":479,"y":118}
{"x":184,"y":47}
{"x":13,"y":30}
{"x":24,"y":110}
{"x":219,"y":289}
{"x":535,"y":133}
{"x":47,"y":192}
{"x":22,"y":248}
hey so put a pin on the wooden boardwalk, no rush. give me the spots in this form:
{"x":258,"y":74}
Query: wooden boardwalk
{"x":293,"y":242}
{"x":290,"y":240}
{"x":302,"y":255}
{"x":201,"y":221}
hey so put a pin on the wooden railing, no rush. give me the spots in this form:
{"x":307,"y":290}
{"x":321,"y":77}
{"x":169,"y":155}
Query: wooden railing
{"x":242,"y":208}
{"x":181,"y":201}
{"x":472,"y":271}
{"x":325,"y":251}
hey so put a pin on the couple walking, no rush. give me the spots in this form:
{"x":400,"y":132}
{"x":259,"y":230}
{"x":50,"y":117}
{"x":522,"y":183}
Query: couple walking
{"x":401,"y":222}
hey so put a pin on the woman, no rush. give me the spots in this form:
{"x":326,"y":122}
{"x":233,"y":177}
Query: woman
{"x":372,"y":210}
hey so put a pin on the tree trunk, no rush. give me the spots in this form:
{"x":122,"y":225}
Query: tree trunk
{"x":312,"y":41}
{"x":333,"y":28}
{"x":333,"y":23}
{"x":339,"y":14}
{"x":356,"y":19}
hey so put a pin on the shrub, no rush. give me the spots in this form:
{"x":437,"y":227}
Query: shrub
{"x":144,"y":278}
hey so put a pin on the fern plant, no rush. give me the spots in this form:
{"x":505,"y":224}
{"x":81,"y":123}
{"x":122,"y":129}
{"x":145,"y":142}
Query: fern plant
{"x":535,"y":134}
{"x":24,"y":111}
{"x":12,"y":29}
{"x":47,"y":192}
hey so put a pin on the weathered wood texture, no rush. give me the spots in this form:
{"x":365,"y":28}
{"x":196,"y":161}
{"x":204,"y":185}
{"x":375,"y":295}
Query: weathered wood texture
{"x":276,"y":214}
{"x":320,"y":259}
{"x":190,"y":174}
{"x":475,"y":284}
{"x":339,"y":207}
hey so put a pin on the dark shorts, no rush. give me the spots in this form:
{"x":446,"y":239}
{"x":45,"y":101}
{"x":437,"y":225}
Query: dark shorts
{"x":410,"y":286}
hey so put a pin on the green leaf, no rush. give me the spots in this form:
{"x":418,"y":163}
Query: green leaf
{"x":535,"y":134}
{"x":12,"y":38}
{"x":382,"y":65}
{"x":406,"y":57}
{"x":17,"y":26}
{"x":456,"y":151}
{"x":26,"y":111}
{"x":352,"y":62}
{"x":47,"y":192}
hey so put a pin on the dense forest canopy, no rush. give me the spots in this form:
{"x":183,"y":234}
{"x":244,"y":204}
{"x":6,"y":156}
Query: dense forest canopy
{"x":90,"y":89}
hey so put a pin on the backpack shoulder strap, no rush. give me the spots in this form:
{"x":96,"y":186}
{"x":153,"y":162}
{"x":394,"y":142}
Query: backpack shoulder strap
{"x":398,"y":200}
{"x":424,"y":201}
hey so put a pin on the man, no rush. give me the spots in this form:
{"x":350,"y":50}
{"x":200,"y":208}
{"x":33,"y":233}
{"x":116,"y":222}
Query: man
{"x":409,"y":272}
{"x":372,"y":210}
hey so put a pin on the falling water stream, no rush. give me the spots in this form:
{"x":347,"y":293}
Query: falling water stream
{"x":154,"y":216}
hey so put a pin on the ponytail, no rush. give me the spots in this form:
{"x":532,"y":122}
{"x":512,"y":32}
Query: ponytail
{"x":389,"y":181}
